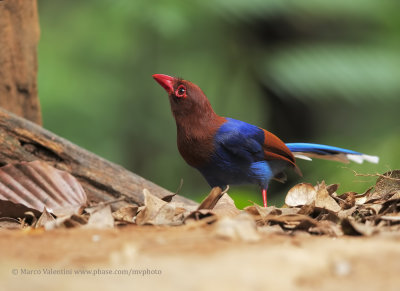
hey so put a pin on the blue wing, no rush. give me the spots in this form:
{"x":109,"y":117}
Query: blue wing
{"x":241,"y":140}
{"x":239,"y":156}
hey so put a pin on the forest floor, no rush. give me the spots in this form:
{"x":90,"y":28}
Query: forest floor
{"x":318,"y":240}
{"x":184,"y":257}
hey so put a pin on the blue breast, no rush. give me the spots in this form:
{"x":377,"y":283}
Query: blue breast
{"x":238,"y":157}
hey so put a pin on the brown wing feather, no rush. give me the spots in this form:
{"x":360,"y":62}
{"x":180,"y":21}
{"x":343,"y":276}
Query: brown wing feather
{"x":275,"y":149}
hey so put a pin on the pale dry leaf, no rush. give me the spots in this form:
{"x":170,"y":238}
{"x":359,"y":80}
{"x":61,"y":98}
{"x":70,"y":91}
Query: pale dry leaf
{"x":293,"y":221}
{"x":211,"y":200}
{"x":323,"y":214}
{"x":374,"y":208}
{"x":324,"y":200}
{"x":391,"y":217}
{"x":301,"y":194}
{"x":289,"y":210}
{"x":240,"y":227}
{"x":326,"y":227}
{"x":69,"y":221}
{"x":44,"y":218}
{"x":37,"y":185}
{"x":100,"y":217}
{"x":126,"y":213}
{"x":152,"y":206}
{"x":386,"y":185}
{"x":200,"y":215}
{"x":252,"y":210}
{"x":270,"y":229}
{"x":165,"y":216}
{"x":352,"y":227}
{"x":346,"y":200}
{"x":225,"y":207}
{"x":265,"y":212}
{"x":307,"y":209}
{"x":10,"y":223}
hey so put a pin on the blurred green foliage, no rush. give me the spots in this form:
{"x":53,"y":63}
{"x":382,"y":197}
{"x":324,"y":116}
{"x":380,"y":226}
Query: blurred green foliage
{"x":312,"y":71}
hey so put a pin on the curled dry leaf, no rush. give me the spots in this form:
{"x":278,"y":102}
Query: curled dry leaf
{"x":347,"y":212}
{"x":225,"y":207}
{"x":326,"y":227}
{"x":15,"y":210}
{"x":352,"y":227}
{"x":70,"y":221}
{"x":152,"y":206}
{"x":346,"y":200}
{"x":46,"y":217}
{"x":211,"y":200}
{"x":301,"y":194}
{"x":158,"y":212}
{"x":100,"y":217}
{"x":205,"y":215}
{"x":324,"y":200}
{"x":240,"y":227}
{"x":363,"y":197}
{"x":168,"y":198}
{"x":38,"y":185}
{"x":395,"y":196}
{"x":293,"y":221}
{"x":388,"y":182}
{"x":126,"y":213}
{"x":165,"y":216}
{"x":332,"y":189}
{"x":391,"y":217}
{"x":10,"y":223}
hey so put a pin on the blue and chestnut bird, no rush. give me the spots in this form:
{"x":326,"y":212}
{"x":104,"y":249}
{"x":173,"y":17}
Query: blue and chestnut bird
{"x":228,"y":151}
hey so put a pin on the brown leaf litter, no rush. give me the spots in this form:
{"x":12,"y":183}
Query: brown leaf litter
{"x":316,"y":210}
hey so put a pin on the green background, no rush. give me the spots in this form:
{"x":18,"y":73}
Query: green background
{"x":309,"y":71}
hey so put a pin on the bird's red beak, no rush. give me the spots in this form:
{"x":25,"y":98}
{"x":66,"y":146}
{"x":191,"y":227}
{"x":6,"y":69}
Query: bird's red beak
{"x":166,"y":81}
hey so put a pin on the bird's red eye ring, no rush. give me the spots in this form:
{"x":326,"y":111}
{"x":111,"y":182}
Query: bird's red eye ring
{"x":180,"y":92}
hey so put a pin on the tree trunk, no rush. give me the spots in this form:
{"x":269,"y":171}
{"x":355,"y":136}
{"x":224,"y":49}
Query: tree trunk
{"x":19,"y":36}
{"x":21,"y":140}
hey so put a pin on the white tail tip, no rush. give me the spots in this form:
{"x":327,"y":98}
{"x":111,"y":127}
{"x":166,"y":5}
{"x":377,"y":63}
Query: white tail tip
{"x":361,"y":158}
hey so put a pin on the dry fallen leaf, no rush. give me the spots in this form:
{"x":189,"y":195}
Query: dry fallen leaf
{"x":152,"y":206}
{"x":10,"y":223}
{"x":391,"y":217}
{"x":352,"y":227}
{"x":38,"y":185}
{"x":301,"y":194}
{"x":345,"y":200}
{"x":100,"y":217}
{"x":240,"y":227}
{"x":46,"y":217}
{"x":15,"y":210}
{"x":324,"y":200}
{"x":388,"y":182}
{"x":211,"y":200}
{"x":225,"y":207}
{"x":326,"y":227}
{"x":70,"y":221}
{"x":126,"y":213}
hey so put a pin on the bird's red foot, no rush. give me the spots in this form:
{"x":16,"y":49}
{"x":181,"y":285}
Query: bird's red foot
{"x":264,"y":195}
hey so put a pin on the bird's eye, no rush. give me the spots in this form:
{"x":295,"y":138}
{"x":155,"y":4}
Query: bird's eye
{"x":181,"y":91}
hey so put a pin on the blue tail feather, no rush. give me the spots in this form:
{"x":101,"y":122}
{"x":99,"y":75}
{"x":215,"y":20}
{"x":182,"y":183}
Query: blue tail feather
{"x":318,"y":149}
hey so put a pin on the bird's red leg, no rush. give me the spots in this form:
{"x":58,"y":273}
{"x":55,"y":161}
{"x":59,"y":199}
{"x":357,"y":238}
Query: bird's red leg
{"x":264,"y":195}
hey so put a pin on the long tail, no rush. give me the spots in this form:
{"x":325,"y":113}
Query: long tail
{"x":307,"y":151}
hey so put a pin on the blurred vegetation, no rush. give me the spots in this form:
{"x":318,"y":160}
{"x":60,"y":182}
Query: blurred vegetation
{"x":311,"y":71}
